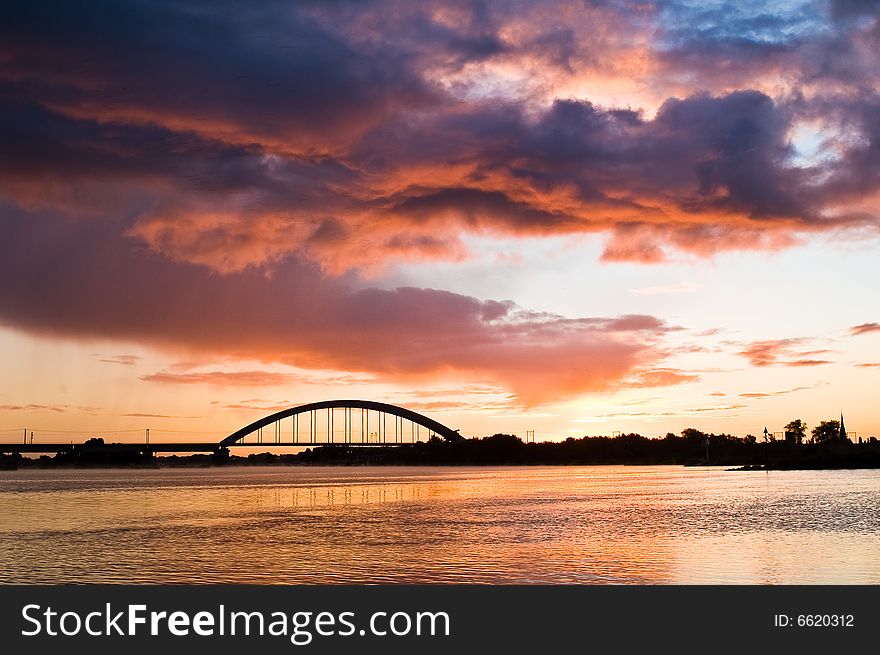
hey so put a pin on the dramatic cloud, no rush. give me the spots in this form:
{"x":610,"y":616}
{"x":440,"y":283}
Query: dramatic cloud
{"x":353,"y":134}
{"x":222,"y":177}
{"x":110,"y":288}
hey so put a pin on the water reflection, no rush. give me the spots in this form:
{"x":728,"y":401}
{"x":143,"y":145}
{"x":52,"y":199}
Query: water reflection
{"x":493,"y":525}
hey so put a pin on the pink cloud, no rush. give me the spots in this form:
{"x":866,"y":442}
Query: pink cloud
{"x":660,"y":377}
{"x":864,"y":328}
{"x":766,"y":353}
{"x":782,"y":352}
{"x":107,"y":287}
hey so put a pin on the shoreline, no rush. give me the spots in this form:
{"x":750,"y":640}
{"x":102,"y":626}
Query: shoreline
{"x":261,"y":460}
{"x":691,"y":449}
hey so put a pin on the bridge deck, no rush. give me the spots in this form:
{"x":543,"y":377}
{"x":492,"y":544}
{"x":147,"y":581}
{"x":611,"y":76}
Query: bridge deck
{"x":199,"y":447}
{"x":381,"y":437}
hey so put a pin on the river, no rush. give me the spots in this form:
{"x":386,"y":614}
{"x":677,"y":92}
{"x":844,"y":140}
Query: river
{"x":584,"y":524}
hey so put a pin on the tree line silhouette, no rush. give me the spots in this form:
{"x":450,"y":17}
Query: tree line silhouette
{"x":826,"y":447}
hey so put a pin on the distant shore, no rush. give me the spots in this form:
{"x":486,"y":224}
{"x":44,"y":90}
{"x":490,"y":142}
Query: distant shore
{"x":692,"y":448}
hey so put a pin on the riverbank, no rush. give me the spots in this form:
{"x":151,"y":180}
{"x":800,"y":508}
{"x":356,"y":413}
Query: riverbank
{"x":690,"y":449}
{"x":867,"y":459}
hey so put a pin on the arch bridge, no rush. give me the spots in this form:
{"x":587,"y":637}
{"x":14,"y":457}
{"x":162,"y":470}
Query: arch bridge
{"x":342,"y":422}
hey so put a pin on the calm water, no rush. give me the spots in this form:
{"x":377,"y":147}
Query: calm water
{"x":609,"y":524}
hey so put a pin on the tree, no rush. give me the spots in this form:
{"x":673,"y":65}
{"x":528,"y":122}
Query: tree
{"x":797,"y":429}
{"x":826,"y":431}
{"x":692,"y":434}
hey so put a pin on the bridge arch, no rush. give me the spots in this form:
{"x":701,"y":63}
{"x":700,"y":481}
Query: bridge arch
{"x":407,"y":414}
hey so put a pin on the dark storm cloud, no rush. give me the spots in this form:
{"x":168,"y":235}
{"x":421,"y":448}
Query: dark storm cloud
{"x":256,"y":71}
{"x":241,"y":132}
{"x":854,"y":8}
{"x":706,"y":173}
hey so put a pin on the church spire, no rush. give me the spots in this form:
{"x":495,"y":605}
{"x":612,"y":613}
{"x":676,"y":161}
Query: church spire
{"x":842,"y":434}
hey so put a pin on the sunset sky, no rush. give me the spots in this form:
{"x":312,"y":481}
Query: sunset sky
{"x":567,"y":217}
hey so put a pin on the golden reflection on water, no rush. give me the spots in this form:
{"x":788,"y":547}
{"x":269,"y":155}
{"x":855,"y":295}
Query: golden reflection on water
{"x":606,"y":524}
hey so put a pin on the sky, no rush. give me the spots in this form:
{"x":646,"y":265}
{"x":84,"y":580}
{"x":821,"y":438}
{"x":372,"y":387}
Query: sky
{"x":575,"y":218}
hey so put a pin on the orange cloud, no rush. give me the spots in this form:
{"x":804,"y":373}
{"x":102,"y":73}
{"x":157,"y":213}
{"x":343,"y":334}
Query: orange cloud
{"x":255,"y":404}
{"x":58,"y":409}
{"x":771,"y":393}
{"x":660,"y":377}
{"x":864,"y":328}
{"x":110,"y":288}
{"x":220,"y":378}
{"x":233,"y":192}
{"x":782,"y":351}
{"x":382,"y":165}
{"x":124,"y":360}
{"x":148,"y":415}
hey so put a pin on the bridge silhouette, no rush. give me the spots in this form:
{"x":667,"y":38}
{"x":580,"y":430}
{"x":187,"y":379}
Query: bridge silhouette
{"x":363,"y":423}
